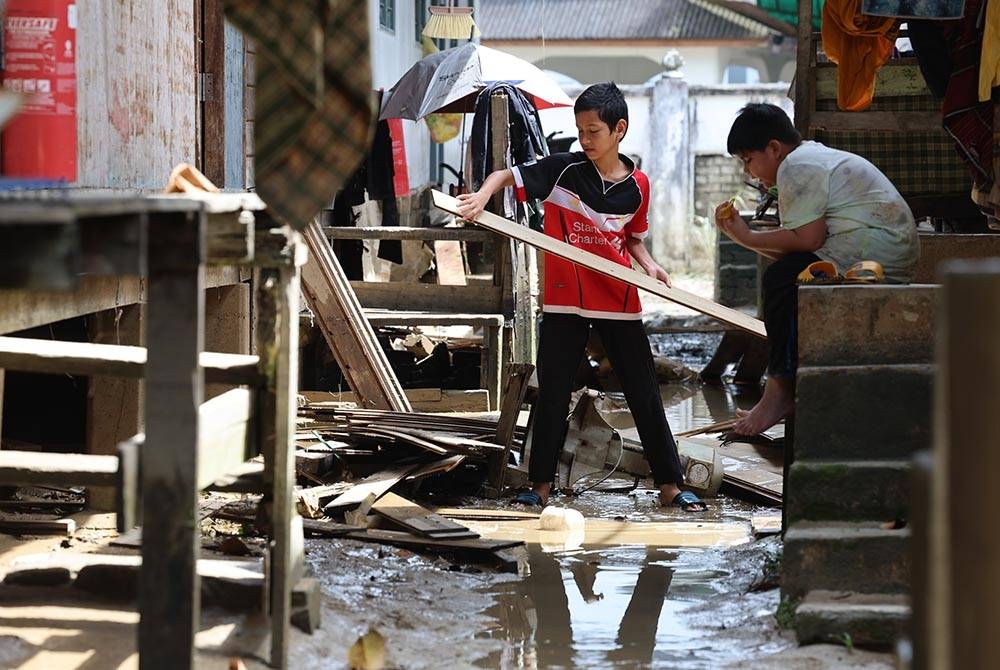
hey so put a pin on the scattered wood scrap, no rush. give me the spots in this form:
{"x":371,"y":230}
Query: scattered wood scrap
{"x":419,"y":520}
{"x":492,"y":551}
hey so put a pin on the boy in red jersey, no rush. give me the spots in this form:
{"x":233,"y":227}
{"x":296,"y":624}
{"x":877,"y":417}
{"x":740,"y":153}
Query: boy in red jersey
{"x":597,"y":201}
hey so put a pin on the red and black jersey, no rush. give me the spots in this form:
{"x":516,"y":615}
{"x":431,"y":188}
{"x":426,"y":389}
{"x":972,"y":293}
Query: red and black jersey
{"x":592,"y":214}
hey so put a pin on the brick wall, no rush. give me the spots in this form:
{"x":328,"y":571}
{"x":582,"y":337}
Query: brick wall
{"x":718,"y":177}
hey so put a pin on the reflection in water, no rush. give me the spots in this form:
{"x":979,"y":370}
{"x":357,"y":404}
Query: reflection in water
{"x":623,"y":606}
{"x":593,"y":609}
{"x":687,"y":405}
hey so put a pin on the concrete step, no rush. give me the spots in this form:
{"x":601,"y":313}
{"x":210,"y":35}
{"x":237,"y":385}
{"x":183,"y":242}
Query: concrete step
{"x":847,"y":490}
{"x":866,"y":620}
{"x":858,"y":557}
{"x":861,"y":324}
{"x":863,"y":412}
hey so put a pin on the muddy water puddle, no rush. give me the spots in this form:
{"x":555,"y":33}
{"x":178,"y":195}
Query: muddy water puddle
{"x":640,"y":586}
{"x":630,"y":607}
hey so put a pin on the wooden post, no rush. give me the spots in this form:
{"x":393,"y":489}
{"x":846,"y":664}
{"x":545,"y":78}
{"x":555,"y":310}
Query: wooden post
{"x":503,"y":259}
{"x":276,"y":332}
{"x":114,"y":404}
{"x":804,"y":57}
{"x":169,"y":594}
{"x":513,"y":398}
{"x":2,"y":376}
{"x":966,"y":547}
{"x":227,"y":325}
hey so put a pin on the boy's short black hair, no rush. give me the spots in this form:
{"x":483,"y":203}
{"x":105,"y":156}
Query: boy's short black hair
{"x":607,"y":100}
{"x":757,"y":124}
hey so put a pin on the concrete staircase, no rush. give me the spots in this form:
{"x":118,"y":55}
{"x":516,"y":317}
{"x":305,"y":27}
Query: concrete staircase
{"x":863,"y":406}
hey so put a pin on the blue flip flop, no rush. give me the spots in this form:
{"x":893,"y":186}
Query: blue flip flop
{"x":689,"y":502}
{"x":529,"y":497}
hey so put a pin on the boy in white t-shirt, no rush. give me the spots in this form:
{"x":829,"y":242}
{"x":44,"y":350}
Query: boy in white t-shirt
{"x":834,"y":206}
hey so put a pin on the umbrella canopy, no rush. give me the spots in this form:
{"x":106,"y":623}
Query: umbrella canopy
{"x":447,"y":81}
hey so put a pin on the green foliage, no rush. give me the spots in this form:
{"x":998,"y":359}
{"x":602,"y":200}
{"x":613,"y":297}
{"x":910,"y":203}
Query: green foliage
{"x":785,"y":616}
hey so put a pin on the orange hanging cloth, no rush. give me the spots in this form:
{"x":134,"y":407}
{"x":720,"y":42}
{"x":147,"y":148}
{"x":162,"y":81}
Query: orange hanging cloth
{"x":859,"y":45}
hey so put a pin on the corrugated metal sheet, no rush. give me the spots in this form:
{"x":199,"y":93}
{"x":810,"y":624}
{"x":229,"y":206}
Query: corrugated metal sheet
{"x":614,"y":20}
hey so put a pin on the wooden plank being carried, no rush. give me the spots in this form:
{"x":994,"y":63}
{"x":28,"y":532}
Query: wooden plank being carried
{"x":345,"y":328}
{"x":607,"y":267}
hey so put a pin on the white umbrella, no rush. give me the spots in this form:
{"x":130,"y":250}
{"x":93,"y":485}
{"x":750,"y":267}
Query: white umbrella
{"x":449,"y":80}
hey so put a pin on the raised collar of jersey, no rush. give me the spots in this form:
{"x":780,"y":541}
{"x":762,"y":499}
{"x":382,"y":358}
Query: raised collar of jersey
{"x":611,"y":184}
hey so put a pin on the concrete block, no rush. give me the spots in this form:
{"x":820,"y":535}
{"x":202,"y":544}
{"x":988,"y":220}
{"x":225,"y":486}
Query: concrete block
{"x":863,"y":558}
{"x":938,"y":247}
{"x":863,"y":412}
{"x":847,"y":490}
{"x":863,"y":324}
{"x":867,"y":620}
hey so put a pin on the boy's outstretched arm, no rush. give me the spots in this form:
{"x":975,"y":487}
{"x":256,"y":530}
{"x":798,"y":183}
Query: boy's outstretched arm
{"x":770,"y":243}
{"x":471,"y":205}
{"x":641,"y":255}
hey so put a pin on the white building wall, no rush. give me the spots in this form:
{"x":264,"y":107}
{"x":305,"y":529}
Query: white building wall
{"x":392,"y":54}
{"x":702,"y":64}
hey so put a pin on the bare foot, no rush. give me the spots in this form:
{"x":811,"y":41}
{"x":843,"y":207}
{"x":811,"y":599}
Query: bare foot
{"x":777,"y":403}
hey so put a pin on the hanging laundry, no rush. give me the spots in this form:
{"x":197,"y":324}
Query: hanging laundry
{"x":927,"y":39}
{"x":968,"y":121}
{"x":989,"y":64}
{"x":859,"y":45}
{"x":914,"y":9}
{"x":313,"y":101}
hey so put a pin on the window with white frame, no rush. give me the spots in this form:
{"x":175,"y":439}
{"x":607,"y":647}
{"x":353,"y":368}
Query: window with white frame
{"x":387,"y":14}
{"x":419,"y":19}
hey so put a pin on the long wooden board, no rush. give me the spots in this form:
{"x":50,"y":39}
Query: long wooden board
{"x":607,"y":267}
{"x":419,"y":520}
{"x":84,"y":358}
{"x":345,"y":328}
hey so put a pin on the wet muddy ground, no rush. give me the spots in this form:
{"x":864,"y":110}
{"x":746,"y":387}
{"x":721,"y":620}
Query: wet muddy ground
{"x":691,"y":591}
{"x":642,"y":587}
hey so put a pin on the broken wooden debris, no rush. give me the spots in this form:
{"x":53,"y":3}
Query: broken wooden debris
{"x":377,"y":484}
{"x":347,"y":332}
{"x":32,"y":525}
{"x":419,"y":520}
{"x":476,"y":549}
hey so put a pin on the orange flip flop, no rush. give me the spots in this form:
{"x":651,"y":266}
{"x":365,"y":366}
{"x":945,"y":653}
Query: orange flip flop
{"x":820,"y":272}
{"x":865,"y":272}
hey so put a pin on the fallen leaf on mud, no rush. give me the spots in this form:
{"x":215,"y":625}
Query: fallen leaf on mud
{"x":368,"y":653}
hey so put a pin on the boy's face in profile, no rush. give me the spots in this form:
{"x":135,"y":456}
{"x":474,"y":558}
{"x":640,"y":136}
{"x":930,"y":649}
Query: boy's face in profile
{"x":763,"y":165}
{"x":596,"y":139}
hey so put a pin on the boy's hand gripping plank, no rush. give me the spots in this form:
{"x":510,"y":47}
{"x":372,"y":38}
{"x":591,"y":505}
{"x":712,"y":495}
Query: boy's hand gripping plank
{"x":594,"y":262}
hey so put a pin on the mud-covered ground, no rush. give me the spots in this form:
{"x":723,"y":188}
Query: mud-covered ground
{"x":631,"y":606}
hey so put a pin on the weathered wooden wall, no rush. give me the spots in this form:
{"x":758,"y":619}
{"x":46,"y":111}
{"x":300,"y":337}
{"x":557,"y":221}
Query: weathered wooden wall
{"x":136,"y":74}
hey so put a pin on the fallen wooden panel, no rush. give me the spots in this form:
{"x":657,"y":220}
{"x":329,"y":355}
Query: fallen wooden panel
{"x":411,"y":541}
{"x":485,"y":514}
{"x":24,"y":525}
{"x":434,"y":467}
{"x":607,"y":267}
{"x":421,"y":400}
{"x":606,"y":532}
{"x":33,"y":467}
{"x":377,"y":484}
{"x":347,"y":332}
{"x":419,"y":520}
{"x":449,"y":262}
{"x":84,"y":358}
